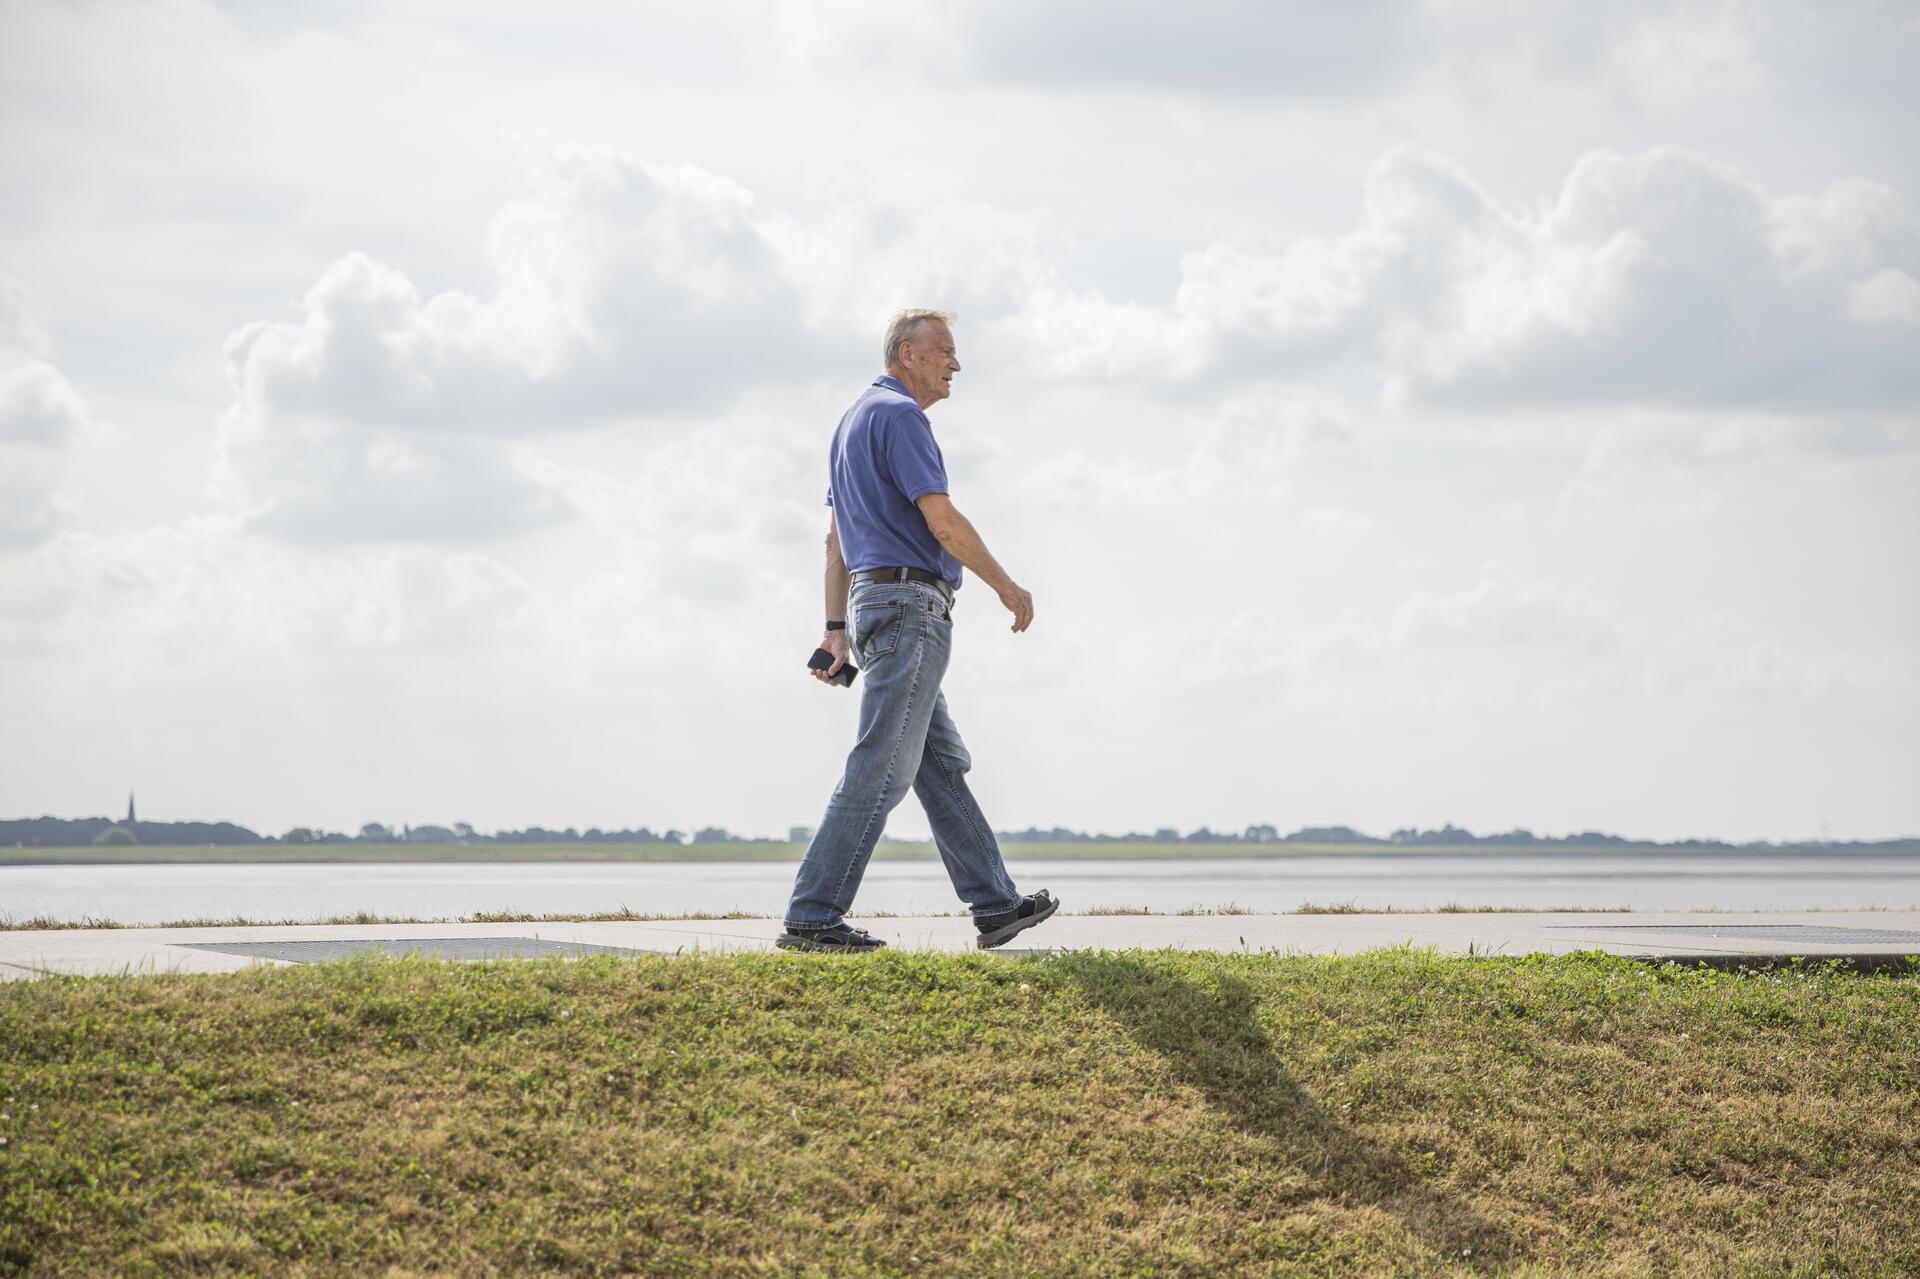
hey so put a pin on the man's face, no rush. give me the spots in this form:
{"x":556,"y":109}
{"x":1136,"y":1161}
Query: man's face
{"x":928,"y":362}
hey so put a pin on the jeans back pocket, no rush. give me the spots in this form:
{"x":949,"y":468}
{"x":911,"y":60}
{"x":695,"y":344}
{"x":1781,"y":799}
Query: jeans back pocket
{"x":877,"y":627}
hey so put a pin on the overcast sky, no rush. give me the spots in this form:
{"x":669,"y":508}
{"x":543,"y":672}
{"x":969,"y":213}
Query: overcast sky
{"x":1497,"y":413}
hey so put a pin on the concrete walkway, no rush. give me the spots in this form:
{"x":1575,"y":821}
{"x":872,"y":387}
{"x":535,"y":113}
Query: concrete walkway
{"x":1867,"y":938}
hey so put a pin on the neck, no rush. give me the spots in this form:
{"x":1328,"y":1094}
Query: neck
{"x":900,"y":376}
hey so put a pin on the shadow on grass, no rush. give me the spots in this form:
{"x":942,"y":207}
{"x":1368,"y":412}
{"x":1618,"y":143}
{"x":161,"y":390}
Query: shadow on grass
{"x":1210,"y":1034}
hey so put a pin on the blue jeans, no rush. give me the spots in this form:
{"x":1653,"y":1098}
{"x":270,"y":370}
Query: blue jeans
{"x":901,"y":635}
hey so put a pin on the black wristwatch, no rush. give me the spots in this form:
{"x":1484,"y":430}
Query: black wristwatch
{"x":840,"y":625}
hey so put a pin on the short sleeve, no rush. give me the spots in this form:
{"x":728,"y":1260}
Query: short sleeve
{"x":914,"y":457}
{"x":829,"y":495}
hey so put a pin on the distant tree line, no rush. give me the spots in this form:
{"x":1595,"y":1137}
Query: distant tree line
{"x":60,"y":832}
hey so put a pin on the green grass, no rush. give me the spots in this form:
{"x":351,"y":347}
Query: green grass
{"x":1096,"y":1114}
{"x":887,"y":850}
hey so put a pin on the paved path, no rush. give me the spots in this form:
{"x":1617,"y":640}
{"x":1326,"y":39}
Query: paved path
{"x":1871,"y":937}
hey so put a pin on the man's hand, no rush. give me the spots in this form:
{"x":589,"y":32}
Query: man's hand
{"x":835,"y":642}
{"x":1019,"y":602}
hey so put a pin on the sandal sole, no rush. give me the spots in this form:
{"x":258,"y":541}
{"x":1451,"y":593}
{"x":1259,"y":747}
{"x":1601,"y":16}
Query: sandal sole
{"x":801,"y":943}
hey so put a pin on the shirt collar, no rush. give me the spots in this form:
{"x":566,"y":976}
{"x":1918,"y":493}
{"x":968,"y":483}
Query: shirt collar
{"x":893,"y":384}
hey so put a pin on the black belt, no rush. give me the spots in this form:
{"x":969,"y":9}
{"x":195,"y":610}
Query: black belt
{"x":903,"y":575}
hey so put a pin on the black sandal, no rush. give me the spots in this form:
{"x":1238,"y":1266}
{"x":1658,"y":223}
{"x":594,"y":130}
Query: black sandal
{"x":1033,"y":909}
{"x":840,"y":937}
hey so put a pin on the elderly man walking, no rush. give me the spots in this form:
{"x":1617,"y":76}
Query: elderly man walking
{"x":896,"y":539}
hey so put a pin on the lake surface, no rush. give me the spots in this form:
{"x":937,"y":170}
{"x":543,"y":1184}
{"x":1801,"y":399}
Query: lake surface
{"x":1406,"y":881}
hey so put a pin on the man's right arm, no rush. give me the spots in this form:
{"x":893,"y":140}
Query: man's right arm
{"x":838,"y":580}
{"x":962,"y":541}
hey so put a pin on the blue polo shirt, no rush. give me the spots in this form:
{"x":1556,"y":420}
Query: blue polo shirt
{"x":883,"y":459}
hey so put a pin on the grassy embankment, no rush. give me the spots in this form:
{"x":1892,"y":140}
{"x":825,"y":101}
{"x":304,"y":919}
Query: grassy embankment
{"x":887,"y":850}
{"x":1094,"y":1114}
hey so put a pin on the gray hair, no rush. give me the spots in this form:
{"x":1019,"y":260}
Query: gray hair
{"x":906,"y":326}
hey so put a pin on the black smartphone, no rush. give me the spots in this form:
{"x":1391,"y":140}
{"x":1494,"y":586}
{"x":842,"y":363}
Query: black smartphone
{"x":823,"y":660}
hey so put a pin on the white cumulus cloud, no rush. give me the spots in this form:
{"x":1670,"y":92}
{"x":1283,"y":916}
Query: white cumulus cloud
{"x":623,"y":291}
{"x":1660,"y":278}
{"x":383,"y":413}
{"x":1502,"y":610}
{"x":41,"y":416}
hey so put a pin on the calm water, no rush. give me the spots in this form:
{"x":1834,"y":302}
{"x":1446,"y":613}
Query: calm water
{"x":1409,"y":881}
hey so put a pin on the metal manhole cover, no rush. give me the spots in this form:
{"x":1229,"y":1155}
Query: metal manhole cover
{"x":319,"y":952}
{"x":1814,"y":934}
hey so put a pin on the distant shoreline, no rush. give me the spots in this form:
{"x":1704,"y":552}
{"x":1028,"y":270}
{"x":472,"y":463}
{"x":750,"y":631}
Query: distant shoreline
{"x":888,"y":850}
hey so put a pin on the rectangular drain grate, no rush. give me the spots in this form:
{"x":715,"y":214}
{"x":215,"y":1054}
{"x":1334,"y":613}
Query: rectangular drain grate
{"x":318,"y":952}
{"x":1813,"y":934}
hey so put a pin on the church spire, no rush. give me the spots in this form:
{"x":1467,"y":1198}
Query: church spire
{"x":131,"y":819}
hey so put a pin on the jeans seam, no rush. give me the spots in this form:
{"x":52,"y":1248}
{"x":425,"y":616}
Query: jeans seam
{"x":893,"y":764}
